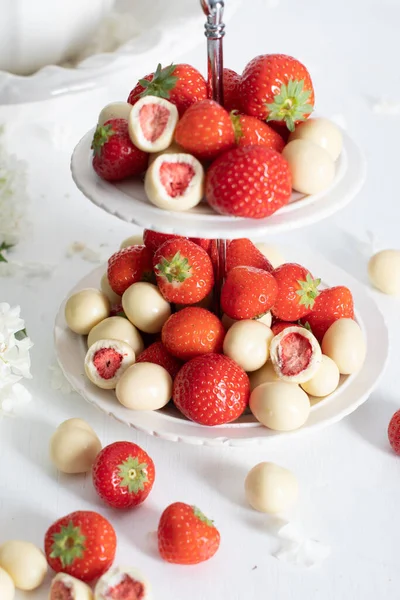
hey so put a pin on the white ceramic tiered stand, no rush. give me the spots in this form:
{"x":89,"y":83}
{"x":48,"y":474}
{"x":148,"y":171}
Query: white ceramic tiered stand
{"x":127,"y":201}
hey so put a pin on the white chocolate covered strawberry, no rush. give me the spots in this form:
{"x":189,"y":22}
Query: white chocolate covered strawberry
{"x":152,"y":123}
{"x":295,"y":354}
{"x":106,"y":361}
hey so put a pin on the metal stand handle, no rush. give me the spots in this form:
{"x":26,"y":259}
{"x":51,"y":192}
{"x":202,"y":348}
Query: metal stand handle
{"x":214,"y":32}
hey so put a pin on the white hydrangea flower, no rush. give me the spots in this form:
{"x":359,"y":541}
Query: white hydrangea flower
{"x":12,"y":397}
{"x":15,"y":360}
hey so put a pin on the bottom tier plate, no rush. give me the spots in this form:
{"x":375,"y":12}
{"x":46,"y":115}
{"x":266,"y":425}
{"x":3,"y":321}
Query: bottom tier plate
{"x":169,"y":424}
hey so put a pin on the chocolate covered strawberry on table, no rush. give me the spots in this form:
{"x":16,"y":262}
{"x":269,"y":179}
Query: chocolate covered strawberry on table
{"x":242,"y":159}
{"x":209,"y":349}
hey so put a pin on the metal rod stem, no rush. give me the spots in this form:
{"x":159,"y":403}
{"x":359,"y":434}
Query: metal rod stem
{"x":214,"y":32}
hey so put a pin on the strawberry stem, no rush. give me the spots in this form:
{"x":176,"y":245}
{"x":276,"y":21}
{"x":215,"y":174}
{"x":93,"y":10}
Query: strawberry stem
{"x":308,"y":291}
{"x":69,"y":544}
{"x":162,"y":82}
{"x":133,"y":474}
{"x":176,"y":269}
{"x":291,"y":104}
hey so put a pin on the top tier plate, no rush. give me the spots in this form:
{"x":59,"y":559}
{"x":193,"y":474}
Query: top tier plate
{"x":127,"y":200}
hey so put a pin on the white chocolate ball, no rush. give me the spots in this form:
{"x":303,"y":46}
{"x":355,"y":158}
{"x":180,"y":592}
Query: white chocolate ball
{"x":108,"y":291}
{"x":144,"y":386}
{"x":270,"y":488}
{"x":145,"y":307}
{"x":325,"y":380}
{"x":384,"y":271}
{"x":133,"y":240}
{"x":312,"y":169}
{"x":24,"y":562}
{"x":7,"y":587}
{"x":265,"y":374}
{"x":266,"y":319}
{"x":247,"y":343}
{"x":322,"y":132}
{"x":63,"y":583}
{"x":117,"y":328}
{"x":115,"y":110}
{"x":280,"y":406}
{"x":73,"y":447}
{"x":85,"y":309}
{"x":272,"y":253}
{"x":344,"y":343}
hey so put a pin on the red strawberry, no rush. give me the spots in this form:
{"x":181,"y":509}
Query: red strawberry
{"x":123,"y":475}
{"x":280,"y":326}
{"x":251,"y":181}
{"x":82,"y":544}
{"x":205,"y":130}
{"x":332,"y":304}
{"x":153,"y":240}
{"x":191,"y":332}
{"x":128,"y":266}
{"x":243,"y":253}
{"x":211,"y":390}
{"x":248,"y":293}
{"x":276,"y":87}
{"x":186,"y":536}
{"x":202,"y":242}
{"x":158,"y":354}
{"x":231,"y":90}
{"x":394,"y":432}
{"x":114,"y":155}
{"x":250,"y":131}
{"x":297,"y":291}
{"x":183,"y":271}
{"x":182,"y":85}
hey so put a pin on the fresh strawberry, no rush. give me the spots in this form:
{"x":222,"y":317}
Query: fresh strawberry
{"x":214,"y":257}
{"x":250,"y":131}
{"x":183,"y":271}
{"x":243,"y":253}
{"x":248,"y":293}
{"x":123,"y":475}
{"x":211,"y":390}
{"x":332,"y":304}
{"x":297,"y":291}
{"x":182,"y":85}
{"x":128,"y":266}
{"x":202,"y":242}
{"x":279,"y":326}
{"x":158,"y":354}
{"x":153,"y":240}
{"x":191,"y":332}
{"x":231,"y":90}
{"x":394,"y":432}
{"x":114,"y":156}
{"x":81,"y":544}
{"x":251,"y":181}
{"x":277,"y":88}
{"x":186,"y":536}
{"x":205,"y":130}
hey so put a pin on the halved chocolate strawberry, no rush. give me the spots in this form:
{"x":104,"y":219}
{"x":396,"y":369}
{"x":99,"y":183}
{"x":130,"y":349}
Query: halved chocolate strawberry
{"x":152,"y":123}
{"x":106,"y":361}
{"x":295,"y":354}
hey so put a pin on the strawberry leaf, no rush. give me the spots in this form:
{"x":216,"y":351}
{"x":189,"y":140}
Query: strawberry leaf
{"x":3,"y":248}
{"x":308,"y":291}
{"x":200,"y":515}
{"x":133,"y":475}
{"x":162,"y":82}
{"x":291,"y":104}
{"x":101,"y":137}
{"x":69,"y":544}
{"x":176,"y":269}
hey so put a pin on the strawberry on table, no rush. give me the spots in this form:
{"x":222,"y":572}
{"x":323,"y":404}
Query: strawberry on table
{"x":205,"y":130}
{"x":297,"y":291}
{"x":249,"y":181}
{"x":248,"y":293}
{"x":81,"y":544}
{"x":191,"y":332}
{"x":128,"y":266}
{"x":231,"y":90}
{"x":211,"y":390}
{"x":331,"y":304}
{"x":183,"y":271}
{"x":277,"y":88}
{"x":250,"y":131}
{"x":157,"y":354}
{"x":186,"y":536}
{"x":182,"y":84}
{"x":243,"y":253}
{"x":394,"y":432}
{"x":114,"y":156}
{"x":123,"y":475}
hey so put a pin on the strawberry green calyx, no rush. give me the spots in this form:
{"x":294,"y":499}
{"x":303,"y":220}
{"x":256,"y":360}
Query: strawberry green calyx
{"x":200,"y":515}
{"x":69,"y":544}
{"x":291,"y":104}
{"x":308,"y":291}
{"x":237,"y":126}
{"x":176,"y":269}
{"x":306,"y":325}
{"x":133,"y":475}
{"x":101,"y":137}
{"x":161,"y":84}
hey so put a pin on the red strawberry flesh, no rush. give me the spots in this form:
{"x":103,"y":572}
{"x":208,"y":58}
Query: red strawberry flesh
{"x":295,"y":354}
{"x":176,"y":177}
{"x":127,"y":589}
{"x":59,"y":591}
{"x":153,"y":121}
{"x":107,"y":362}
